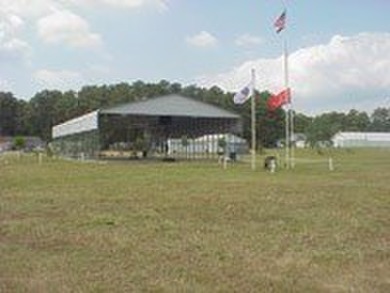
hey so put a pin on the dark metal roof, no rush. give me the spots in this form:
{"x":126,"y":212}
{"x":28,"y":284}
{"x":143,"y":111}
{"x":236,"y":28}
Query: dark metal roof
{"x":172,"y":105}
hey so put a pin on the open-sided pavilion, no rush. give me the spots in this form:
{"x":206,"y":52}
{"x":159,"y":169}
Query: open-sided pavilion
{"x":149,"y":127}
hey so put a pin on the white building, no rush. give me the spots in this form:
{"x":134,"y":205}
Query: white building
{"x":210,"y":144}
{"x":361,"y":139}
{"x":299,"y":140}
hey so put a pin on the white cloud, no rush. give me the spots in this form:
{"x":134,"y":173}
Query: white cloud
{"x":134,"y":3}
{"x":202,"y":40}
{"x":161,"y":5}
{"x":248,"y":40}
{"x":14,"y":47}
{"x":343,"y":74}
{"x":59,"y":79}
{"x":39,"y":8}
{"x":64,"y":26}
{"x":24,"y":8}
{"x":14,"y":22}
{"x":124,"y":3}
{"x":10,"y":45}
{"x":14,"y":14}
{"x":56,"y":21}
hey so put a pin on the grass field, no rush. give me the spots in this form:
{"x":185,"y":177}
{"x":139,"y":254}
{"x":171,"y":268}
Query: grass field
{"x":194,"y":227}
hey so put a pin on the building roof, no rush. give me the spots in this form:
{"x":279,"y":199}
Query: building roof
{"x":171,"y":105}
{"x":361,"y":139}
{"x":367,"y":136}
{"x":79,"y":124}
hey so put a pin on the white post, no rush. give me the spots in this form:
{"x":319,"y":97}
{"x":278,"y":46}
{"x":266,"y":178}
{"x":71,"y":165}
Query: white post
{"x":273,"y":165}
{"x":40,"y":158}
{"x":330,"y":162}
{"x":253,"y":114}
{"x":292,"y":136}
{"x":287,"y":109}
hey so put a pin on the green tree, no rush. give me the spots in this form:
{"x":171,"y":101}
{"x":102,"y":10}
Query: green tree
{"x":270,"y":124}
{"x":324,"y":126}
{"x":19,"y":142}
{"x":22,"y":123}
{"x":301,"y":122}
{"x":380,"y":120}
{"x":120,"y":93}
{"x":9,"y":113}
{"x":47,"y":108}
{"x":356,"y":121}
{"x":43,"y":113}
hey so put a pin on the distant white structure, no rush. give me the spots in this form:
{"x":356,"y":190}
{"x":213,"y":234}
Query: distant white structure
{"x":361,"y":139}
{"x":299,"y":140}
{"x":234,"y":143}
{"x":80,"y":124}
{"x":210,"y":144}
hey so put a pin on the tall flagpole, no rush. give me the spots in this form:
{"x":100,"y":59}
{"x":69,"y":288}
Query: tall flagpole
{"x":280,"y":24}
{"x":290,"y":160}
{"x":286,"y":84}
{"x":292,"y":132}
{"x":290,"y":110}
{"x":253,"y":119}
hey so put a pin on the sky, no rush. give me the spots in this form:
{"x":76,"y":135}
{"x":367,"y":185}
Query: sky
{"x":339,"y":50}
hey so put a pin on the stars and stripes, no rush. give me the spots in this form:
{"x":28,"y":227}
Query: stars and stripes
{"x":280,"y":22}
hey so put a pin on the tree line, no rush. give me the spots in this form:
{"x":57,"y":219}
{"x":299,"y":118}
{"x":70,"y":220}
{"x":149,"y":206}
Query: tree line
{"x":47,"y":108}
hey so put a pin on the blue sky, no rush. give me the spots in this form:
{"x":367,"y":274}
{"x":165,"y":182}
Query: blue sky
{"x":339,"y":50}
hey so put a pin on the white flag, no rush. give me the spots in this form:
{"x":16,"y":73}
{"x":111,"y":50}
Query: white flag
{"x":243,"y":95}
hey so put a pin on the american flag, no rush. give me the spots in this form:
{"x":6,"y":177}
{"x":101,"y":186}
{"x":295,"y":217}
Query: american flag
{"x":280,"y":23}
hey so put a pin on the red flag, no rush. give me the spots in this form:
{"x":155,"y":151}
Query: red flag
{"x":276,"y":101}
{"x":280,"y":23}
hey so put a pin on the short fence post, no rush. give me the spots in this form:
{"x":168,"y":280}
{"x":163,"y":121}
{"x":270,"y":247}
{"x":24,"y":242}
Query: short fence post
{"x":331,"y":167}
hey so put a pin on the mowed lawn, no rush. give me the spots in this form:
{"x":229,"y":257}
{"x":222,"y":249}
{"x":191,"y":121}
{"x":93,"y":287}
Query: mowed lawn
{"x":194,"y":227}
